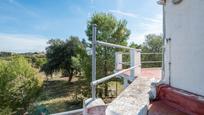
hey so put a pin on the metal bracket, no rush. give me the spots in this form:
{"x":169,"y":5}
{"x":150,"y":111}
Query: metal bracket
{"x":168,"y":39}
{"x":176,"y":1}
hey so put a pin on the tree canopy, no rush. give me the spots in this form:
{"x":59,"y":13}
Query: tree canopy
{"x":110,"y":30}
{"x":152,"y":44}
{"x":63,"y":56}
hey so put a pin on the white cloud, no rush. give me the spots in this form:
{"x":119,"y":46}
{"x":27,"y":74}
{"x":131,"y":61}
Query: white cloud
{"x":22,"y":43}
{"x":119,"y":12}
{"x":149,"y":26}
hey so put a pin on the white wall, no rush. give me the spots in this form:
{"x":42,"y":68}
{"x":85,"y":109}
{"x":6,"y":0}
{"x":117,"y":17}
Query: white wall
{"x":185,"y":27}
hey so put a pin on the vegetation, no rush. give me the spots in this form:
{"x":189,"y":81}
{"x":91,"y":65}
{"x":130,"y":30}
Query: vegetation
{"x":68,"y":60}
{"x":110,"y":30}
{"x":60,"y":96}
{"x":153,"y":44}
{"x":38,"y":62}
{"x":64,"y":56}
{"x":19,"y":84}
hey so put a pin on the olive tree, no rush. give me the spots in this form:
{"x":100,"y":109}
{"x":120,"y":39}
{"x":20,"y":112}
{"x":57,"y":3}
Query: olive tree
{"x":63,"y":56}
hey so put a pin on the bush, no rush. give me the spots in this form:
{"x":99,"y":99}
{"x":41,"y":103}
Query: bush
{"x":6,"y":111}
{"x":19,"y":83}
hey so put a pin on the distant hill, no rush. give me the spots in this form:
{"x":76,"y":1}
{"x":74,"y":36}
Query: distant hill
{"x":27,"y":54}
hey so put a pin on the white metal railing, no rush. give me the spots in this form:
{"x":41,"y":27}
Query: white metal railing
{"x":150,"y":62}
{"x":69,"y":112}
{"x":125,"y":63}
{"x":151,"y":53}
{"x":93,"y":88}
{"x":132,"y":61}
{"x":135,"y":61}
{"x":96,"y":82}
{"x":144,"y":62}
{"x":113,"y":45}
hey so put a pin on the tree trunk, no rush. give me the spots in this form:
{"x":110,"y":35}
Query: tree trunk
{"x":51,"y":76}
{"x":70,"y":76}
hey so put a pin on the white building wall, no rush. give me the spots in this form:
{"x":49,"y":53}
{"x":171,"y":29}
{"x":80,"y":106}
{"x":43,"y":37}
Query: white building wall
{"x":185,"y":27}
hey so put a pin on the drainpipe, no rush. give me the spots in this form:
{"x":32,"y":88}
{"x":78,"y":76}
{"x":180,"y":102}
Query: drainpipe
{"x":163,"y":3}
{"x":166,"y":41}
{"x":164,"y":37}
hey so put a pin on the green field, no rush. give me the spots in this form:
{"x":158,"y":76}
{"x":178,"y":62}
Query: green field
{"x":58,"y":95}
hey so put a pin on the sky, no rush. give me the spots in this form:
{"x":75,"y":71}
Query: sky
{"x":27,"y":25}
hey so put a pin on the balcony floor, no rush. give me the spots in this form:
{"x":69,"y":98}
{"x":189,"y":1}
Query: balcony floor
{"x":162,"y":108}
{"x":149,"y":73}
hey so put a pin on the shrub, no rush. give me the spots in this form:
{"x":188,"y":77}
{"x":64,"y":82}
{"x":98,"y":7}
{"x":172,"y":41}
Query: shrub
{"x":6,"y":111}
{"x":19,"y":83}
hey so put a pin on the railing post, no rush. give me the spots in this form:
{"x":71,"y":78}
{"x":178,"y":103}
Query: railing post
{"x":118,"y":61}
{"x":125,"y":82}
{"x":138,"y":63}
{"x":119,"y":66}
{"x":93,"y":60}
{"x":132,"y":63}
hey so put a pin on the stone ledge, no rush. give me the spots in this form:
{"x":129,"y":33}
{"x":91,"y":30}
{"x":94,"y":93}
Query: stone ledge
{"x":134,"y":100}
{"x":96,"y":102}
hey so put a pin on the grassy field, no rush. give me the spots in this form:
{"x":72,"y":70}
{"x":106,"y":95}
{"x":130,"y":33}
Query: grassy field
{"x":58,"y":95}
